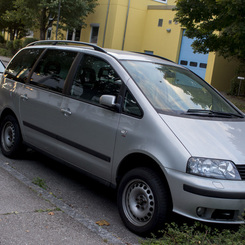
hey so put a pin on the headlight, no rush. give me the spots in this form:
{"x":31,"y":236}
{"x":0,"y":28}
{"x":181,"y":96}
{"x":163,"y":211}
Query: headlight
{"x":212,"y":168}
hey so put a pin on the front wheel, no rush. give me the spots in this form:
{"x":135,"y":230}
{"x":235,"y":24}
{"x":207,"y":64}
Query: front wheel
{"x":11,"y":141}
{"x":144,"y":201}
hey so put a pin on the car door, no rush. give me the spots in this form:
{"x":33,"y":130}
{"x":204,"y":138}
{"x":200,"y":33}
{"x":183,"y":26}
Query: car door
{"x":89,"y":128}
{"x":41,"y":100}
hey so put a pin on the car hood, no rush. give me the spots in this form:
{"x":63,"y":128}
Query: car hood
{"x":219,"y":139}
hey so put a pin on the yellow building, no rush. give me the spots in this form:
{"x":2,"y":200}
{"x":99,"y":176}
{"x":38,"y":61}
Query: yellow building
{"x":148,"y":26}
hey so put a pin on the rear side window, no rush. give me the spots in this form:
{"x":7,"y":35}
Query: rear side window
{"x":52,"y":70}
{"x":20,"y":67}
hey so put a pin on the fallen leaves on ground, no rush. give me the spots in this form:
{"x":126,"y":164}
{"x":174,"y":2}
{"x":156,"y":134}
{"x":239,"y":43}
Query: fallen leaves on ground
{"x":102,"y":222}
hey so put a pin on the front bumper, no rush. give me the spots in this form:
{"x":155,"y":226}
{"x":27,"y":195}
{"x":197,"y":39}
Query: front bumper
{"x":206,"y":199}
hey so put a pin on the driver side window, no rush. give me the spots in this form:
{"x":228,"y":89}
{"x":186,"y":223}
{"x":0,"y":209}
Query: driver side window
{"x":94,"y":78}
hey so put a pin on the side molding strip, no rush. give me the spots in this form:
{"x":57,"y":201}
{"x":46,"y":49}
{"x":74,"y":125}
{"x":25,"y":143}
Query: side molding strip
{"x":215,"y":194}
{"x":68,"y":142}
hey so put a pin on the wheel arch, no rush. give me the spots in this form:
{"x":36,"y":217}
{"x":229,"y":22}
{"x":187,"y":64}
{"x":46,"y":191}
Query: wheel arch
{"x":8,"y":111}
{"x":137,"y":160}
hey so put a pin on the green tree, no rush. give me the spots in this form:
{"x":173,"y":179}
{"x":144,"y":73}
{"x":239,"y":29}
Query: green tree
{"x":42,"y":14}
{"x":217,"y":25}
{"x":10,"y":20}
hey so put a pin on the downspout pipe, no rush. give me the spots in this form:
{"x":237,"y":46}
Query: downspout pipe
{"x":126,"y":23}
{"x":58,"y":19}
{"x":106,"y":20}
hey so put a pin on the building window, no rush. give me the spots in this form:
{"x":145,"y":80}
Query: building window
{"x":69,"y":35}
{"x":49,"y":32}
{"x":192,"y":63}
{"x":161,"y":1}
{"x":94,"y":33}
{"x":77,"y":35}
{"x":203,"y":65}
{"x":184,"y":62}
{"x":149,"y":52}
{"x":73,"y":35}
{"x":160,"y":22}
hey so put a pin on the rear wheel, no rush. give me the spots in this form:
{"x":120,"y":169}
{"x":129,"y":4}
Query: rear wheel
{"x":11,"y":140}
{"x":143,"y":201}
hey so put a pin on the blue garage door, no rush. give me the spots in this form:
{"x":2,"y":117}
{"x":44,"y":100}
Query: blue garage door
{"x":194,"y":61}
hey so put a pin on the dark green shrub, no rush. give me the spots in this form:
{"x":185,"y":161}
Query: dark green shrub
{"x":198,"y":234}
{"x":2,"y":39}
{"x":29,"y":40}
{"x":14,"y":46}
{"x":234,"y":87}
{"x":5,"y":52}
{"x":240,"y":72}
{"x":17,"y":44}
{"x":9,"y":45}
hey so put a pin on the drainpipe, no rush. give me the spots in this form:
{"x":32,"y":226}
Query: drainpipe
{"x":125,"y":25}
{"x":108,"y":7}
{"x":58,"y":19}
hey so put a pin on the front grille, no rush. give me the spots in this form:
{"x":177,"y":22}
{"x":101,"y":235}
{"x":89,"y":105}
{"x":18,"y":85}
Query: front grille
{"x":241,"y":170}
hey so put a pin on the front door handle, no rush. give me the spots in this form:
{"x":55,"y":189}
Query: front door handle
{"x":24,"y":97}
{"x":66,"y":112}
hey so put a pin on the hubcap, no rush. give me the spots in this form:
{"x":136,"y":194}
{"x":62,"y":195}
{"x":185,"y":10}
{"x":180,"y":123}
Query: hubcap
{"x":8,"y":136}
{"x":138,"y":202}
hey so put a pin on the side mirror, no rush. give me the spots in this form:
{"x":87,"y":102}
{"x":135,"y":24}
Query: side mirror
{"x":108,"y":100}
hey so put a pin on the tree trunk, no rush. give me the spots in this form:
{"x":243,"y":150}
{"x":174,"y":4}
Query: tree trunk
{"x":42,"y":34}
{"x":43,"y":24}
{"x":11,"y":33}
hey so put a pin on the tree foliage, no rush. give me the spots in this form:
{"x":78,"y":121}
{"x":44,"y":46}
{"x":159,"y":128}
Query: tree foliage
{"x":41,"y":14}
{"x":10,"y":20}
{"x":216,"y":25}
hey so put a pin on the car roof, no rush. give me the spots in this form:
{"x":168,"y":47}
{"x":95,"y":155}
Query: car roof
{"x":117,"y":54}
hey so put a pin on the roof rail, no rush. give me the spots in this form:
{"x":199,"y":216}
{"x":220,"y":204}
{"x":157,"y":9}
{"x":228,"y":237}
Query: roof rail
{"x":156,"y":56}
{"x":55,"y":42}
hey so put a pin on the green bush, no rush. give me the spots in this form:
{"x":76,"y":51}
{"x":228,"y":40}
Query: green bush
{"x":17,"y":44}
{"x":5,"y":52}
{"x":2,"y":39}
{"x":198,"y":234}
{"x":234,"y":87}
{"x":14,"y":46}
{"x":29,"y":40}
{"x":240,"y":72}
{"x":10,"y":45}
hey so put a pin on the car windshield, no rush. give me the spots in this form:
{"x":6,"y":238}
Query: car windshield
{"x":176,"y":90}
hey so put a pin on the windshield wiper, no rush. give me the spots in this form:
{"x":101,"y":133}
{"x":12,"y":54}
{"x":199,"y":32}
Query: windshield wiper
{"x":210,"y":113}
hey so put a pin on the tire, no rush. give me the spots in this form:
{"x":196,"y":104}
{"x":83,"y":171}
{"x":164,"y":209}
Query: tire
{"x":144,"y":201}
{"x":11,"y":140}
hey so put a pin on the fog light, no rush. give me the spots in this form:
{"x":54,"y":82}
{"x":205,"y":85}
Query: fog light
{"x":200,"y":211}
{"x":220,"y":214}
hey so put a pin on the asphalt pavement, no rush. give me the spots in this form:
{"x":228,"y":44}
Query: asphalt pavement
{"x":31,"y":215}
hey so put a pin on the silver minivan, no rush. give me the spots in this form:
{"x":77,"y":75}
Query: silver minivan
{"x":154,"y":130}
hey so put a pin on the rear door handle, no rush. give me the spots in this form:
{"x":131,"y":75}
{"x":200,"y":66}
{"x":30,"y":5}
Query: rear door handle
{"x":66,"y":112}
{"x":24,"y":97}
